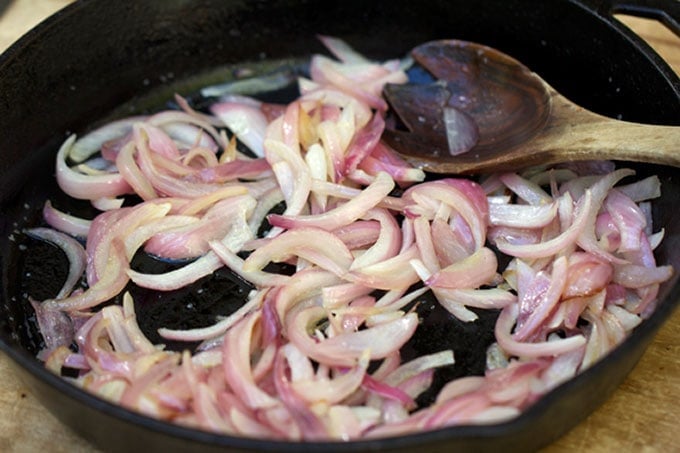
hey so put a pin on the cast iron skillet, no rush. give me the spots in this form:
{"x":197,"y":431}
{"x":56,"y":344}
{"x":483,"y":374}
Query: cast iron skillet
{"x":80,"y":64}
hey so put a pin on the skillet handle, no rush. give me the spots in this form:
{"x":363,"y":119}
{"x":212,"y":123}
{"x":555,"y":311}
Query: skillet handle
{"x":665,"y":11}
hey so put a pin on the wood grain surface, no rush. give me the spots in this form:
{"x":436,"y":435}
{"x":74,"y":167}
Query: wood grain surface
{"x":641,"y":416}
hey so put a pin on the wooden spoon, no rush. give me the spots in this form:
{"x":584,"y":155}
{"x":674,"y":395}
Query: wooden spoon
{"x":521,"y":120}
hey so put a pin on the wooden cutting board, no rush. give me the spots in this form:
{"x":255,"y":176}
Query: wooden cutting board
{"x":642,"y":415}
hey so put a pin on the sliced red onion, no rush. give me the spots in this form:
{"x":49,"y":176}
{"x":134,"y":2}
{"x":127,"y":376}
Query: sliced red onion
{"x":117,"y":226}
{"x":326,"y":71}
{"x":426,"y":247}
{"x":75,"y":254}
{"x":66,"y":223}
{"x":474,"y":271}
{"x":403,"y":173}
{"x":235,"y":263}
{"x":363,"y":143}
{"x":599,"y":190}
{"x":465,"y":197}
{"x":108,"y":204}
{"x":168,"y":118}
{"x":644,"y":189}
{"x":334,"y":144}
{"x":246,"y":121}
{"x":237,"y":364}
{"x":628,"y":218}
{"x":586,"y":275}
{"x":235,"y":169}
{"x":360,"y":234}
{"x":531,"y":350}
{"x":459,"y":387}
{"x":86,"y":187}
{"x":546,"y":301}
{"x":162,"y":181}
{"x":417,"y":366}
{"x":528,"y":191}
{"x":456,"y":411}
{"x":130,"y":171}
{"x":326,"y":250}
{"x":217,"y":329}
{"x":522,"y":216}
{"x":113,"y":280}
{"x":344,"y":214}
{"x":292,"y":174}
{"x":462,"y":133}
{"x":191,"y":137}
{"x":56,"y":328}
{"x":380,"y":389}
{"x":251,"y":85}
{"x":304,"y":285}
{"x":634,"y":276}
{"x":393,"y":273}
{"x":160,"y":142}
{"x":341,"y":50}
{"x":386,"y":246}
{"x":562,"y":368}
{"x":332,"y":391}
{"x":191,"y":240}
{"x":346,"y":348}
{"x":92,"y":142}
{"x":453,"y":243}
{"x":348,"y":193}
{"x":584,"y":212}
{"x":239,"y":234}
{"x":479,"y":298}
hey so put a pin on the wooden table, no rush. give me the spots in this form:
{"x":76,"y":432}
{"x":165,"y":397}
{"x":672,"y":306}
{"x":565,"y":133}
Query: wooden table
{"x":642,"y":415}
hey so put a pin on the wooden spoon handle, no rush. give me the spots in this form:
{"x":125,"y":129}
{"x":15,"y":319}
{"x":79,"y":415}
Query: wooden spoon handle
{"x":573,"y":133}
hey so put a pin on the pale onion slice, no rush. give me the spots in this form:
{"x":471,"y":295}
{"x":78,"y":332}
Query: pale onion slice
{"x":235,"y":263}
{"x":393,"y":273}
{"x":112,"y":282}
{"x":648,"y":188}
{"x":216,"y":330}
{"x":246,"y":121}
{"x":66,"y":223}
{"x":528,"y":191}
{"x":334,"y":390}
{"x":634,"y":276}
{"x":522,"y":216}
{"x":628,"y":219}
{"x":344,"y":214}
{"x":342,"y":51}
{"x":326,"y":71}
{"x":237,"y":365}
{"x":474,"y":271}
{"x":303,"y":286}
{"x":345,"y":349}
{"x":86,"y":187}
{"x":292,"y":173}
{"x":503,"y":329}
{"x":239,"y":234}
{"x":546,"y":301}
{"x":315,"y":245}
{"x":387,"y":244}
{"x":93,"y":141}
{"x":584,"y":212}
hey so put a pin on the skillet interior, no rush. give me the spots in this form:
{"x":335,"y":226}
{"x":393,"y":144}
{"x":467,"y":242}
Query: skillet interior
{"x":139,"y":46}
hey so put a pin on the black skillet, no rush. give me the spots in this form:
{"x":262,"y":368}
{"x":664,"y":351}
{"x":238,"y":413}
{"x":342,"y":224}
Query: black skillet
{"x":79,"y":65}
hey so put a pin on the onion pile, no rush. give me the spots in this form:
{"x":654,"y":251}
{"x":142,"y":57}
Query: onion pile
{"x":315,"y":354}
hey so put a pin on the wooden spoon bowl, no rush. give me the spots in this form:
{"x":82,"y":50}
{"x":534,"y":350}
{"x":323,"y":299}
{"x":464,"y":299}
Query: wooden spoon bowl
{"x":521,"y":120}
